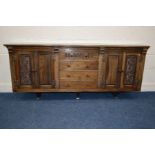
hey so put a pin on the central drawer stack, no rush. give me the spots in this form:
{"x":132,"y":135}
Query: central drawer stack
{"x":78,"y":68}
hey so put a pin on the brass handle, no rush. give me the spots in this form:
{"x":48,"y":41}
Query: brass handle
{"x":86,"y":55}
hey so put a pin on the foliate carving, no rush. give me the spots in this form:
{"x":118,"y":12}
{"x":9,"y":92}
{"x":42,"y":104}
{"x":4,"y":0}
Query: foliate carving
{"x":25,"y":70}
{"x":77,"y":55}
{"x":131,"y":63}
{"x":82,"y":55}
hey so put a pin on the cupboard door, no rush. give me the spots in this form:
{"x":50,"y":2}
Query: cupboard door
{"x":112,"y":66}
{"x":45,"y":69}
{"x":131,"y":70}
{"x":25,"y":70}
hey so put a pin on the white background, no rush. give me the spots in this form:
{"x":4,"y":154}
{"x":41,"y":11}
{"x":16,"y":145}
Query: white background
{"x":77,"y":13}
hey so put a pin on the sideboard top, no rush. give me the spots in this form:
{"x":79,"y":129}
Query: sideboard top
{"x":79,"y":45}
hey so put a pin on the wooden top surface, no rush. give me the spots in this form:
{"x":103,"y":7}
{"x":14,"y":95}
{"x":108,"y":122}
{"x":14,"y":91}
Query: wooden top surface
{"x":78,"y":45}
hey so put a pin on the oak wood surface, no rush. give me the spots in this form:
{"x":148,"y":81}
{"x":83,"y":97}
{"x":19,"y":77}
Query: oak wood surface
{"x":74,"y":68}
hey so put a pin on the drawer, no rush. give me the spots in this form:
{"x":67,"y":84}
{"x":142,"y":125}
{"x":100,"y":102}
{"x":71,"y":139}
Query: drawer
{"x":78,"y":65}
{"x":78,"y":53}
{"x":79,"y":75}
{"x":78,"y":84}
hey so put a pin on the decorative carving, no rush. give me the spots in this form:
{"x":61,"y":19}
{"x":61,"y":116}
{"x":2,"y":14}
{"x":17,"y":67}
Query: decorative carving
{"x":82,"y":55}
{"x":25,"y":70}
{"x":131,"y":63}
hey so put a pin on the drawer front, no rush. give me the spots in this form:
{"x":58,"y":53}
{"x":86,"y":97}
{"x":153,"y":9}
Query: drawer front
{"x":76,"y":53}
{"x":78,"y":84}
{"x":79,"y":75}
{"x":78,"y":65}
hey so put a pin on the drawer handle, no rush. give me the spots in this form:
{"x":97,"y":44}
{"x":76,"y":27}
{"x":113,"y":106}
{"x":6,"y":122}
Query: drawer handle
{"x":68,"y":76}
{"x":87,"y":76}
{"x":86,"y":56}
{"x":87,"y":66}
{"x":68,"y":65}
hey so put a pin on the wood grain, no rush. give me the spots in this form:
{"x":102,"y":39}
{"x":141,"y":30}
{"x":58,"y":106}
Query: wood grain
{"x":45,"y":68}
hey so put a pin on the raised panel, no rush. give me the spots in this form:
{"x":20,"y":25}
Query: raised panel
{"x":44,"y":69}
{"x":113,"y":64}
{"x":112,"y":70}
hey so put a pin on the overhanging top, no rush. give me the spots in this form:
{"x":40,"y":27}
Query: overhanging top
{"x":78,"y":44}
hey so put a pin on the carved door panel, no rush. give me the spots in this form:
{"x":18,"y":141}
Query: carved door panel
{"x":45,"y":69}
{"x":131,"y":68}
{"x":24,"y":69}
{"x":112,"y":68}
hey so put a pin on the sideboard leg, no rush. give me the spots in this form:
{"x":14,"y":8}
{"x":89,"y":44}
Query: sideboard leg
{"x":38,"y":95}
{"x":77,"y":96}
{"x":115,"y":94}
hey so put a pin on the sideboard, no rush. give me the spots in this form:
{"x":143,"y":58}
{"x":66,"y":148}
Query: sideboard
{"x":76,"y":68}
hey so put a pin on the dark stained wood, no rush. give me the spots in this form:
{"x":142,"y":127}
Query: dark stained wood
{"x":45,"y":69}
{"x":25,"y":69}
{"x":79,"y":53}
{"x":78,"y":84}
{"x":79,"y":65}
{"x":79,"y":75}
{"x":60,"y":68}
{"x":131,"y":68}
{"x":113,"y":63}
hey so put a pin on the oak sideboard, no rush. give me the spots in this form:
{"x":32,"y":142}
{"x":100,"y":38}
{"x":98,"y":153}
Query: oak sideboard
{"x":75,"y":68}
